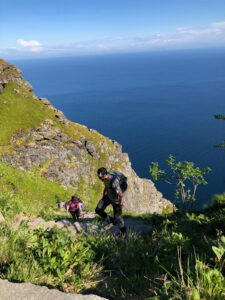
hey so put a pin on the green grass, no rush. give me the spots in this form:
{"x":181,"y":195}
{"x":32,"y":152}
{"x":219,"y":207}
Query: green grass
{"x":28,"y":192}
{"x":19,"y":113}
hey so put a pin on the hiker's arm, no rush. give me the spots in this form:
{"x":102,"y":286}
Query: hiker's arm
{"x":104,"y":192}
{"x":80,"y":203}
{"x":67,"y":208}
{"x":120,"y":196}
{"x":117,"y":188}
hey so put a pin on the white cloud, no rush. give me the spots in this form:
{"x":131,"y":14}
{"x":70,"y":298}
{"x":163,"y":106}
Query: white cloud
{"x":31,"y":43}
{"x":216,"y":28}
{"x":29,"y":46}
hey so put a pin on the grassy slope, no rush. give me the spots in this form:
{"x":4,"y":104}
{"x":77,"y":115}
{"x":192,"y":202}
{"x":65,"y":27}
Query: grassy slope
{"x":28,"y":193}
{"x":19,"y":113}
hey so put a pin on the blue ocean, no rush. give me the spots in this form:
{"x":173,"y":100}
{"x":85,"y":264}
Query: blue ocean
{"x":154,"y":104}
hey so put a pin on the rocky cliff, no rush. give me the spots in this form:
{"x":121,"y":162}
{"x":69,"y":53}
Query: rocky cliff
{"x":40,"y":136}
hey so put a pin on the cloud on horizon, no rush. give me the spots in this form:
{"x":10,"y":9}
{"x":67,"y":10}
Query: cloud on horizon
{"x":28,"y":43}
{"x":183,"y":38}
{"x":32,"y":45}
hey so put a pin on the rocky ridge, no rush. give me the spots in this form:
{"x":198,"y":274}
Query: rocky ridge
{"x":72,"y":159}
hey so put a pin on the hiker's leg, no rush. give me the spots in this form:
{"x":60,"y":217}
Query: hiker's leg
{"x":118,"y":219}
{"x":73,"y":215}
{"x":77,"y":213}
{"x":102,"y":204}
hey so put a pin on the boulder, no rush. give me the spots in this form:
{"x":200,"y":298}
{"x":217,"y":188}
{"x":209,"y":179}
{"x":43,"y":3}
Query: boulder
{"x":28,"y":291}
{"x":65,"y":223}
{"x":78,"y":227}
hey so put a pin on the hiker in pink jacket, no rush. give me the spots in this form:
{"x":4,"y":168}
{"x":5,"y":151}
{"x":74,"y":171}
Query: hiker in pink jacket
{"x":74,"y":206}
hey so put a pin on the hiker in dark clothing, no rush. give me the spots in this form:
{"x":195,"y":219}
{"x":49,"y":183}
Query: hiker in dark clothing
{"x":115,"y":186}
{"x":74,"y":206}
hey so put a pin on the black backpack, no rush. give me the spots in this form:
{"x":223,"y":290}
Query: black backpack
{"x":121,"y":178}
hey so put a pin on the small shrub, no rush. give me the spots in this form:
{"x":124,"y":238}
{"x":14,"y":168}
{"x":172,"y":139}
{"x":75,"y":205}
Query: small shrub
{"x":200,"y":282}
{"x":218,"y":201}
{"x":184,"y":176}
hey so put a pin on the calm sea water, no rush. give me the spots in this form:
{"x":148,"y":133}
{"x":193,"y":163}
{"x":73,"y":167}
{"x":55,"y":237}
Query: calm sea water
{"x":154,"y":104}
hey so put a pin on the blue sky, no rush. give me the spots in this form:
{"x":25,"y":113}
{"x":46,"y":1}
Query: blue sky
{"x":50,"y":28}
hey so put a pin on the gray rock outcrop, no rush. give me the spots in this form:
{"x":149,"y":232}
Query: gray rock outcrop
{"x":9,"y":72}
{"x":74,"y":228}
{"x":85,"y":225}
{"x":28,"y":291}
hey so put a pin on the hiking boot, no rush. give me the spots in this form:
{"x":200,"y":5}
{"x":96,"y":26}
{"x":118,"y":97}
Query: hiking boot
{"x":109,"y":222}
{"x":122,"y":232}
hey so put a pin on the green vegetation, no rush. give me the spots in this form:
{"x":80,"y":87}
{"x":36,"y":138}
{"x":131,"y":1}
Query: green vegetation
{"x":181,"y":258}
{"x":218,"y":200}
{"x":28,"y":193}
{"x":47,"y":257}
{"x":16,"y":112}
{"x":184,"y":176}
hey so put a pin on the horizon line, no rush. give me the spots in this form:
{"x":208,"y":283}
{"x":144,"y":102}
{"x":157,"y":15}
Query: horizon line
{"x":117,"y":53}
